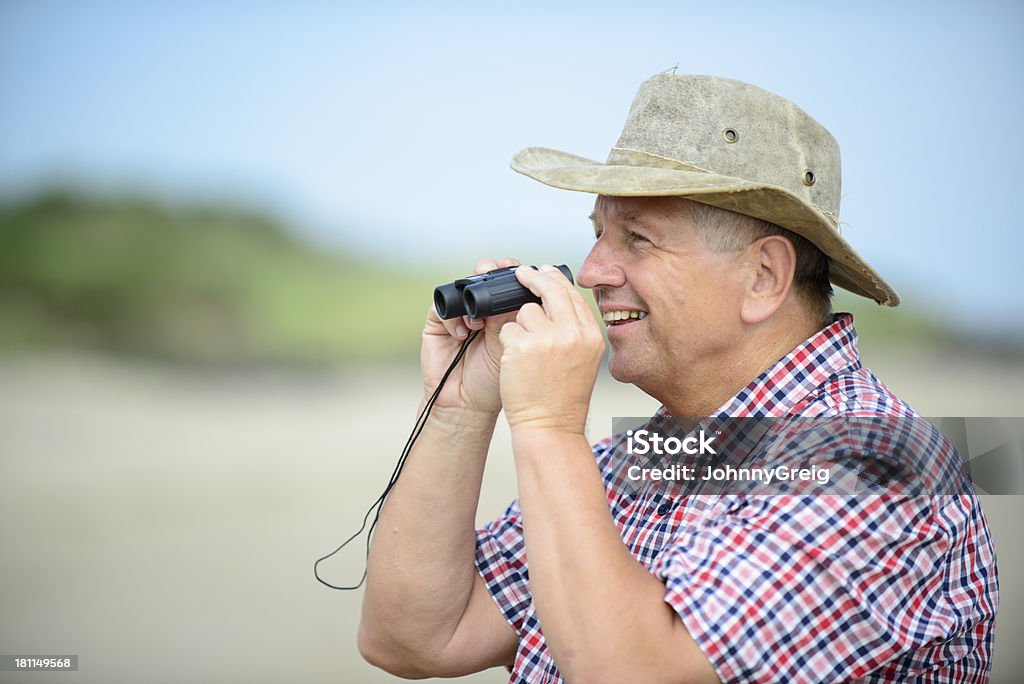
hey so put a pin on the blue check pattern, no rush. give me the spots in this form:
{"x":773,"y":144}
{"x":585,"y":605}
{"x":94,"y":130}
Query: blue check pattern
{"x":791,"y":588}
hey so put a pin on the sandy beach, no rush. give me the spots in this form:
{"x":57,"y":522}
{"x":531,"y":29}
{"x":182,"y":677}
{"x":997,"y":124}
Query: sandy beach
{"x":162,"y":524}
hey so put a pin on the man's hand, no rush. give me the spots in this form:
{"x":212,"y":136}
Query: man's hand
{"x":474,"y":382}
{"x":550,"y":355}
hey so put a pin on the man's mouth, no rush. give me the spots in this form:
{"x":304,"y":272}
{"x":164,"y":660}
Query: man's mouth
{"x":622,"y":317}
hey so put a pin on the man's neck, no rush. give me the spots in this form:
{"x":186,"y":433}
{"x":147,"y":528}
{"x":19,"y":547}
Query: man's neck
{"x":705,"y":390}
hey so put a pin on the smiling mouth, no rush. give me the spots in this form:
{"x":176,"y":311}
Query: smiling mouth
{"x":623,"y":317}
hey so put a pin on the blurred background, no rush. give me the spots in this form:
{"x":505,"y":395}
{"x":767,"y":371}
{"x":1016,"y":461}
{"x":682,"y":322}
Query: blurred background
{"x":220,"y":225}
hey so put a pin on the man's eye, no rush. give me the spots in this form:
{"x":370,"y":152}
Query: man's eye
{"x":636,"y":237}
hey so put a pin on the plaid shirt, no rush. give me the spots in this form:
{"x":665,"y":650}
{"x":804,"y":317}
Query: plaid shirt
{"x":793,"y":588}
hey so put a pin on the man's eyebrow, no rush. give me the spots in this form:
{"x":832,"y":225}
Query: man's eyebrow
{"x":627,"y":216}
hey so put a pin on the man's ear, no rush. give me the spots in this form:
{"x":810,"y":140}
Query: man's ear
{"x":773,"y":263}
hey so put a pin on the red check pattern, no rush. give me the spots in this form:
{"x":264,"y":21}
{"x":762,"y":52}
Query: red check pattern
{"x":791,"y":588}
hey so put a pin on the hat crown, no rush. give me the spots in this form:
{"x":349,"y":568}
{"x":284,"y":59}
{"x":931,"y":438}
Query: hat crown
{"x":731,"y":128}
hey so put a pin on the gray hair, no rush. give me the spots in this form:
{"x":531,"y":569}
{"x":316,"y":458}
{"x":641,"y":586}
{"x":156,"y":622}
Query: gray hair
{"x":728,"y":231}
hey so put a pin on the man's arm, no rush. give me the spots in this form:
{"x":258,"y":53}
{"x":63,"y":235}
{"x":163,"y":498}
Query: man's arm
{"x":426,"y":610}
{"x":604,"y":615}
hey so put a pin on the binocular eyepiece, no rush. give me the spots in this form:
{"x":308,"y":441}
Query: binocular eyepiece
{"x":486,"y":294}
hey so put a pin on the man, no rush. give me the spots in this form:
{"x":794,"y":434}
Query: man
{"x":715,"y":240}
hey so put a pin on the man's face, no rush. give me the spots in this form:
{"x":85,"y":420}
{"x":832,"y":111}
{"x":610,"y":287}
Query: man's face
{"x":682,"y":298}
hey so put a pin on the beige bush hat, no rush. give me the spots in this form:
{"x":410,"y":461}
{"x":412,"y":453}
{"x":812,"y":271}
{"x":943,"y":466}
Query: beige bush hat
{"x":731,"y":145}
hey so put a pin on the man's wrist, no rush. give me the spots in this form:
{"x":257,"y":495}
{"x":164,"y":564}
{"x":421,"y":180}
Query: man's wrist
{"x":459,"y":418}
{"x":537,"y":441}
{"x":559,"y":417}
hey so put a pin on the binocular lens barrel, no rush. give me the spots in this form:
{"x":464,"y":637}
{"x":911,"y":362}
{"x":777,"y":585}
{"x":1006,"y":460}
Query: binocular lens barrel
{"x":448,"y":301}
{"x":486,"y":294}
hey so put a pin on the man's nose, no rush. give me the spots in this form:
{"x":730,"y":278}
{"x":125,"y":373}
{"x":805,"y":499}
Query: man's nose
{"x":600,"y":269}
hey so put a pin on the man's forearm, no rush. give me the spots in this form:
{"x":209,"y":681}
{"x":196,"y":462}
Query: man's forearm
{"x":603,"y":613}
{"x":421,"y":565}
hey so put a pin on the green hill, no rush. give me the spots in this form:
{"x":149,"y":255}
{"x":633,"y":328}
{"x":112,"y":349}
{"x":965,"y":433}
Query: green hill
{"x":209,"y":285}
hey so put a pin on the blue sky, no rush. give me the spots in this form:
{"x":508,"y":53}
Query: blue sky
{"x":389,"y":127}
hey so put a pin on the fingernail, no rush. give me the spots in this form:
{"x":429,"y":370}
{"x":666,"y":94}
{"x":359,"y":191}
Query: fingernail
{"x":460,"y":330}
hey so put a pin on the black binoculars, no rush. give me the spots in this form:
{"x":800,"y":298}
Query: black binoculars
{"x":486,"y":294}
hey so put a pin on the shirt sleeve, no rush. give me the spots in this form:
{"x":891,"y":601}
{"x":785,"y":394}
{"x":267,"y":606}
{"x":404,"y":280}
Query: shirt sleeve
{"x":501,"y":552}
{"x":501,"y":562}
{"x":809,"y":589}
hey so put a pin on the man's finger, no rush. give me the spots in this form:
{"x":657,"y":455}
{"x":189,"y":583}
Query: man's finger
{"x":553,"y":294}
{"x":582,"y":309}
{"x":532,"y":317}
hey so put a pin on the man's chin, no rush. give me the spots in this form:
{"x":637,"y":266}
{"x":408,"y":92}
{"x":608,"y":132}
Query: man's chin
{"x":620,"y":368}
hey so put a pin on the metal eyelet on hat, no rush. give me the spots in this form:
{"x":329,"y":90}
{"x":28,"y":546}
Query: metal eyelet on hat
{"x":808,"y":178}
{"x":730,"y":135}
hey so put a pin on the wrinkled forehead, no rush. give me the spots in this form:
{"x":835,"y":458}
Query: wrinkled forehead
{"x":626,"y":210}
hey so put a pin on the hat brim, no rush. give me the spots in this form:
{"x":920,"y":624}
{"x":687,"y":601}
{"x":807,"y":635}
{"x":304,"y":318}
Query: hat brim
{"x":771,"y":203}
